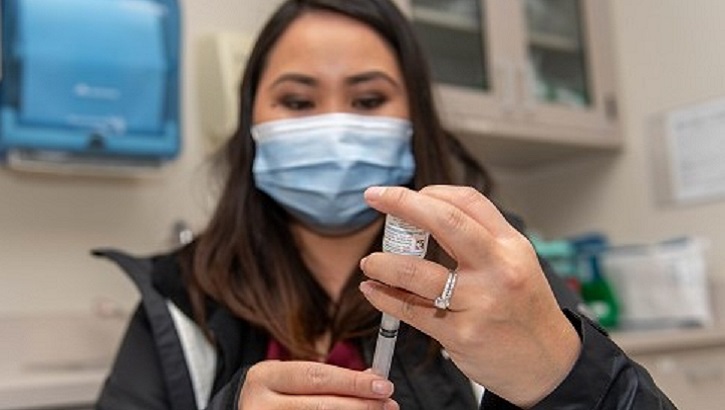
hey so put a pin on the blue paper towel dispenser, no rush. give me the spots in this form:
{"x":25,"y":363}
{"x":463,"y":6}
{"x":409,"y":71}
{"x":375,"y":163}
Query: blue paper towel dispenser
{"x":91,"y":80}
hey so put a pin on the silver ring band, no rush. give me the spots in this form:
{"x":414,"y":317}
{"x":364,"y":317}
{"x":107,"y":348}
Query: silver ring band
{"x":444,"y":300}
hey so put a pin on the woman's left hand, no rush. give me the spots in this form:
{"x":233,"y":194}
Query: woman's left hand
{"x":503,"y":328}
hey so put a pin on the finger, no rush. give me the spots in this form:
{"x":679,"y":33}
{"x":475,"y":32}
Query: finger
{"x":474,"y":204}
{"x":460,"y":236}
{"x":419,"y":276}
{"x":408,"y":307}
{"x":312,"y":378}
{"x":293,"y":402}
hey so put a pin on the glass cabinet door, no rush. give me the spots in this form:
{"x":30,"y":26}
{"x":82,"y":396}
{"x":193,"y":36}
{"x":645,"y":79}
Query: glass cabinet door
{"x":453,"y":35}
{"x":531,"y":69}
{"x":557,"y":57}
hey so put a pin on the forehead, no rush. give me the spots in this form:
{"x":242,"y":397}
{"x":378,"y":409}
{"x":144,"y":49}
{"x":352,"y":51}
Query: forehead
{"x":324,"y":43}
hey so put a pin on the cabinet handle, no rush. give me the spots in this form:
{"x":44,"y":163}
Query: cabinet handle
{"x":526,"y":85}
{"x":507,"y":75}
{"x":610,"y":107}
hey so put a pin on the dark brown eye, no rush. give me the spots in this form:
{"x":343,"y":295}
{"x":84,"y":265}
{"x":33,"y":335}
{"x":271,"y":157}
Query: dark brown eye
{"x":369,"y":103}
{"x":297,"y":103}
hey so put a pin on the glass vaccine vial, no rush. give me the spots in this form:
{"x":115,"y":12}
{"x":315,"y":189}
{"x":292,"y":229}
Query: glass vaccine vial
{"x":400,"y":238}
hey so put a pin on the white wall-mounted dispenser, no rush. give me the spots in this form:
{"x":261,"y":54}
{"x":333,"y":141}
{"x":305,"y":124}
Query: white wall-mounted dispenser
{"x":222,"y":59}
{"x":90,"y":83}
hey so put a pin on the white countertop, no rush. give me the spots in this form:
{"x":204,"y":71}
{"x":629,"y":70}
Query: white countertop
{"x":55,"y":361}
{"x":653,"y":341}
{"x":62,"y":360}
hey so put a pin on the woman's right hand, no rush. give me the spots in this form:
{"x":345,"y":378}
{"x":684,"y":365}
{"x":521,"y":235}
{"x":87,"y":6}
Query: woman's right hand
{"x":276,"y":385}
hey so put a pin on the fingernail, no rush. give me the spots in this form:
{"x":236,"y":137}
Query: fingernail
{"x":382,"y":387}
{"x":375,"y":192}
{"x":391,"y":405}
{"x":365,"y":287}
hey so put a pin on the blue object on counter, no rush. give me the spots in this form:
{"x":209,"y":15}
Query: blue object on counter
{"x":96,"y":78}
{"x":560,"y":254}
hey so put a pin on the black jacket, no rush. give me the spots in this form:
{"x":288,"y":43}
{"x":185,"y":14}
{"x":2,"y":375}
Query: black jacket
{"x":152,"y":371}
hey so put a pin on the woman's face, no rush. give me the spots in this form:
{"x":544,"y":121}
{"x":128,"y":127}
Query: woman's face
{"x":326,"y":63}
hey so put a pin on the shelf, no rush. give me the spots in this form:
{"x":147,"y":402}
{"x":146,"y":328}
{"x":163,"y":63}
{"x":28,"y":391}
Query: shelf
{"x":446,"y":19}
{"x":512,"y":145}
{"x":554,"y":42}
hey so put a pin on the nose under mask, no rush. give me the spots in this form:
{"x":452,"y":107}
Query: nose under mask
{"x":317,"y":168}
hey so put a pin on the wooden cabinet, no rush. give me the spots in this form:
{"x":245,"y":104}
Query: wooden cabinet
{"x":689,"y":366}
{"x":523,"y":81}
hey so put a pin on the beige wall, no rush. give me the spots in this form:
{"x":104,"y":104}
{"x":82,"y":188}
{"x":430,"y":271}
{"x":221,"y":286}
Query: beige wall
{"x":49,"y":223}
{"x":669,"y":54}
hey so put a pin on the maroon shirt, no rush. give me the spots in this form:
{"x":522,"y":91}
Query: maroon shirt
{"x":344,"y":354}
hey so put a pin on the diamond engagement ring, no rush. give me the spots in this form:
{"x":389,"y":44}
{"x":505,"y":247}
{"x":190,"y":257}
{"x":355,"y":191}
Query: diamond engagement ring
{"x":444,"y":300}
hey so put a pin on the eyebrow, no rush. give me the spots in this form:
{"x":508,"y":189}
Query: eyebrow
{"x":352,"y":80}
{"x":370,"y":76}
{"x":295,"y":78}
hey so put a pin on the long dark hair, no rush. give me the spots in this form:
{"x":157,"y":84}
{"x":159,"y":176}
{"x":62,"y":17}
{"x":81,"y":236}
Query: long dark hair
{"x":247,"y":260}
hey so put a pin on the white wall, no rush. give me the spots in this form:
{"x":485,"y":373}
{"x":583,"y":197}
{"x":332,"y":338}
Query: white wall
{"x":48,"y":224}
{"x":669,"y":54}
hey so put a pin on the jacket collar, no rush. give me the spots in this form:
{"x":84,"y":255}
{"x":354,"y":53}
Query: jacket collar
{"x":423,"y":378}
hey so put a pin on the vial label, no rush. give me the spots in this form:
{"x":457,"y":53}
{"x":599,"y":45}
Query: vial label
{"x":403,"y":238}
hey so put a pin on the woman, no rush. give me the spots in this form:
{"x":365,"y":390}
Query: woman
{"x":269,"y":307}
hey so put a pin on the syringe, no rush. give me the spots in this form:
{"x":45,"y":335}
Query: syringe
{"x":400,"y":238}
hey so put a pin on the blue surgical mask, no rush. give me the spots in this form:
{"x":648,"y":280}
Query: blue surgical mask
{"x":318,"y":167}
